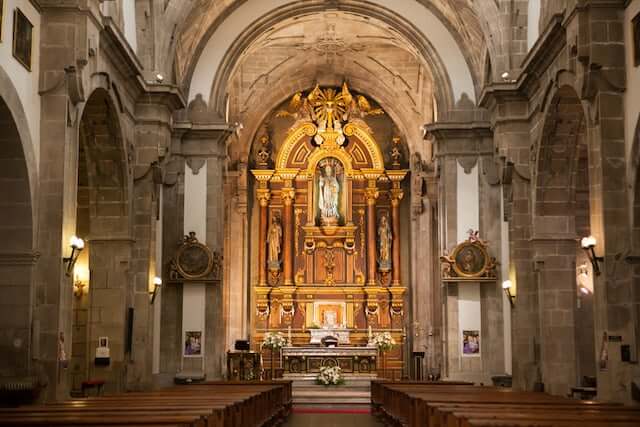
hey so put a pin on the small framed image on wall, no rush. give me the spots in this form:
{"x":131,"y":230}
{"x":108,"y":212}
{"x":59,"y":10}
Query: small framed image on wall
{"x":22,"y":38}
{"x":193,"y":343}
{"x":470,"y":343}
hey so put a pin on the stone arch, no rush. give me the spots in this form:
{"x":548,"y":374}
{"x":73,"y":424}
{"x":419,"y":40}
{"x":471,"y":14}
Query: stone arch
{"x":10,"y":98}
{"x":103,"y":220}
{"x":17,"y":236}
{"x":444,"y":89}
{"x":562,"y":143}
{"x":102,"y":156}
{"x":561,"y":216}
{"x":454,"y":85}
{"x":635,"y":221}
{"x":634,"y":181}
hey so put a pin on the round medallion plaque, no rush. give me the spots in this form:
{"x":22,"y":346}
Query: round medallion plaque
{"x":194,"y":260}
{"x":471,"y":259}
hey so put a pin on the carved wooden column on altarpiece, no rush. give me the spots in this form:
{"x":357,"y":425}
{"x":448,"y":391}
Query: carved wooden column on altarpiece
{"x":288,"y":195}
{"x":263,"y":195}
{"x":396,"y":289}
{"x":371,"y":194}
{"x":396,"y":195}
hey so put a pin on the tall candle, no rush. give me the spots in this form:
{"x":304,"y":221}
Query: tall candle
{"x":370,"y":336}
{"x":289,"y":334}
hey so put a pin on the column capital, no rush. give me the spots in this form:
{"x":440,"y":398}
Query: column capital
{"x":262,"y":176}
{"x":288,"y":194}
{"x":263,"y":195}
{"x":396,"y":195}
{"x":396,"y":176}
{"x":371,"y":194}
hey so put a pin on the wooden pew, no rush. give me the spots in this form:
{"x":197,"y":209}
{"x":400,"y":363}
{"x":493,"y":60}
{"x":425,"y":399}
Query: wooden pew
{"x":213,"y":404}
{"x":459,"y":405}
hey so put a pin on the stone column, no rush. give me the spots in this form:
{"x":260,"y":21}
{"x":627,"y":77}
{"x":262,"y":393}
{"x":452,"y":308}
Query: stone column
{"x":371,"y":194}
{"x":556,"y":293}
{"x":153,"y":130}
{"x":459,"y":145}
{"x":512,"y":139}
{"x":203,"y":147}
{"x":288,"y":195}
{"x":108,"y":294}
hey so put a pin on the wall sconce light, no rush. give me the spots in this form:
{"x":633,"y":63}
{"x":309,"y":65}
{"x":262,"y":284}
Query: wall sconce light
{"x":157,"y":283}
{"x":506,"y":286}
{"x":588,"y":243}
{"x":77,"y":245}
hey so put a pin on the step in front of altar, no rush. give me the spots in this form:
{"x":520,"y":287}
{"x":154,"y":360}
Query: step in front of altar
{"x":355,"y":390}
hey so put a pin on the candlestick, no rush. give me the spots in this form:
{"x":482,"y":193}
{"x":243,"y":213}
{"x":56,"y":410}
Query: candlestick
{"x":370,"y":336}
{"x":289,"y":334}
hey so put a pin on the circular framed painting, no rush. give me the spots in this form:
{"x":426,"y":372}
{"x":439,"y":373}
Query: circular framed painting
{"x":471,"y":260}
{"x":194,"y":260}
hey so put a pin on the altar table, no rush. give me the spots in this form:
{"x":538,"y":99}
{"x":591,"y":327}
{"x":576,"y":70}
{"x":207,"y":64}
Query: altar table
{"x":352,"y":360}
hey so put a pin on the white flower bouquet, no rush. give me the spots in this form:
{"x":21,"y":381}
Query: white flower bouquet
{"x":274,"y":340}
{"x":330,"y":375}
{"x":383,"y":341}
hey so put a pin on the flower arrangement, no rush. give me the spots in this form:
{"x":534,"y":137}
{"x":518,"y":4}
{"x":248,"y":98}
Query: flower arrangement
{"x":330,"y":375}
{"x":384,"y":341}
{"x":274,"y":340}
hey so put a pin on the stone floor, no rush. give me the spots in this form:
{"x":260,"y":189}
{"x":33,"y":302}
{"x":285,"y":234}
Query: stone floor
{"x":332,"y":420}
{"x":317,"y":416}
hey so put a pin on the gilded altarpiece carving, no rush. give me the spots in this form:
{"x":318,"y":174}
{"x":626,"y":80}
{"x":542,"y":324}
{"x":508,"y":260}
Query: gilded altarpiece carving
{"x":328,"y":190}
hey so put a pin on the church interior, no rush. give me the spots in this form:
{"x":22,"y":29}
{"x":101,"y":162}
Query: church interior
{"x":319,"y":212}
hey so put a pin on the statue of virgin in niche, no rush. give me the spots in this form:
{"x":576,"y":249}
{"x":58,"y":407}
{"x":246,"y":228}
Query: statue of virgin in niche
{"x":329,"y":191}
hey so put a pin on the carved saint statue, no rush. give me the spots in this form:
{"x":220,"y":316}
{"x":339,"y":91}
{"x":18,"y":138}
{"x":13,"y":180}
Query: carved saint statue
{"x":274,"y":238}
{"x":384,"y":237}
{"x":329,"y":191}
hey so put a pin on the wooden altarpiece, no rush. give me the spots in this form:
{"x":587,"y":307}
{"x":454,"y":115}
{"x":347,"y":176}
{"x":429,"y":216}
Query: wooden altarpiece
{"x":339,"y":264}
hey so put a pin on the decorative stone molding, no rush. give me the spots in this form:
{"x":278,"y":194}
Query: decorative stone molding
{"x":195,"y":164}
{"x":19,"y":258}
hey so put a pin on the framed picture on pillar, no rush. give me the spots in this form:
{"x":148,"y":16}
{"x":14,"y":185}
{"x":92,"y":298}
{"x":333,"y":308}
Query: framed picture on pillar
{"x":635,"y":31}
{"x":470,"y":343}
{"x":22,"y":38}
{"x":193,"y":343}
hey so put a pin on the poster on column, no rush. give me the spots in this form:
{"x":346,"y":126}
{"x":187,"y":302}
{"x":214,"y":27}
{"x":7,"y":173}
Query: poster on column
{"x":193,"y":343}
{"x":470,"y":343}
